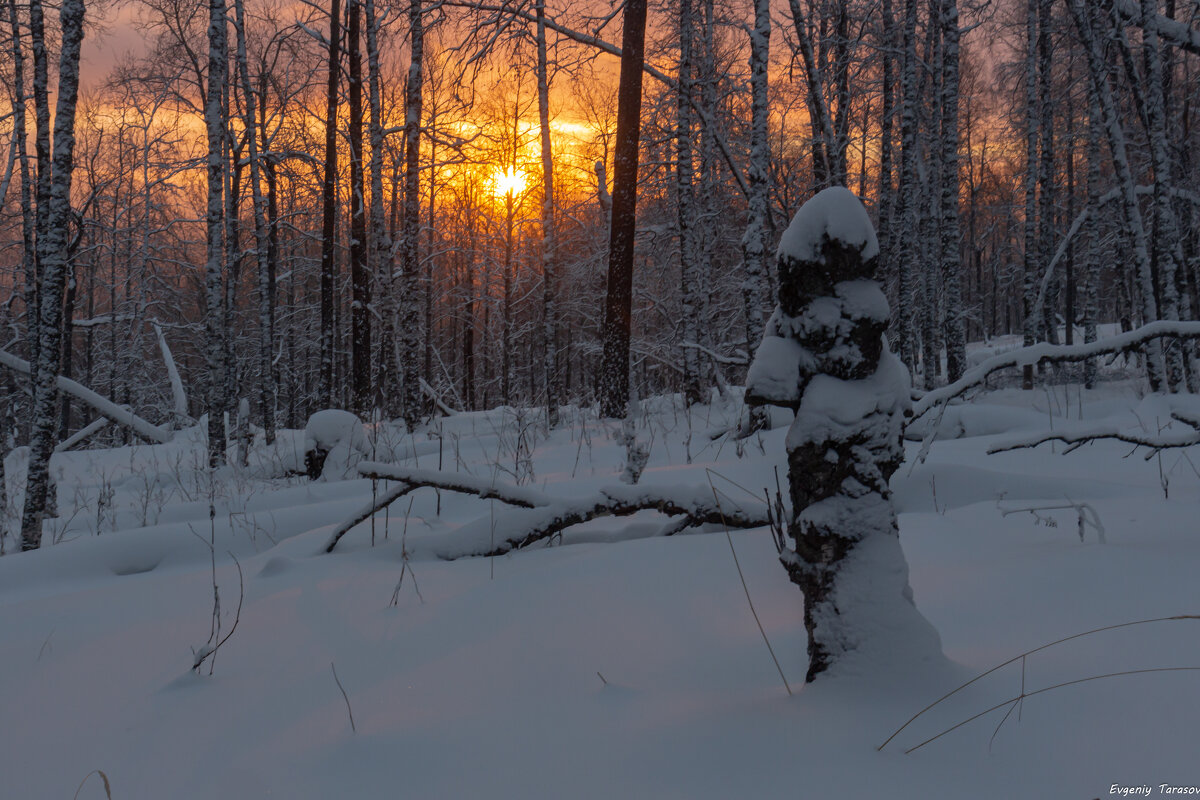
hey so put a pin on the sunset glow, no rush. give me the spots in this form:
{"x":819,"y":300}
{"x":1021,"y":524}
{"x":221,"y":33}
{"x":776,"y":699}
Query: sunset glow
{"x":508,"y":182}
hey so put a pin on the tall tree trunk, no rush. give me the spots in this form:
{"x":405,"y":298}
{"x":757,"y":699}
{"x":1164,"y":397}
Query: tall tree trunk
{"x":758,"y":179}
{"x":267,"y":382}
{"x":54,"y":261}
{"x":380,"y":249}
{"x":214,"y":327}
{"x":685,"y":204}
{"x":1032,"y":263}
{"x":907,"y":250}
{"x":1047,"y":177}
{"x":410,"y":289}
{"x":955,"y":335}
{"x":887,"y":195}
{"x":329,"y":206}
{"x":1099,"y":70}
{"x":824,"y":139}
{"x":1166,"y":243}
{"x":45,"y":170}
{"x":360,"y":278}
{"x":618,"y":305}
{"x":549,"y":233}
{"x":29,"y":258}
{"x":1091,"y":272}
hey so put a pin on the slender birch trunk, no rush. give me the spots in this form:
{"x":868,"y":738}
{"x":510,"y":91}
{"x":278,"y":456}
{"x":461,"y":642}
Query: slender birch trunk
{"x":955,"y":335}
{"x":549,"y":233}
{"x":1032,"y":264}
{"x":54,"y":262}
{"x":268,"y":382}
{"x":1098,"y":68}
{"x":410,"y":317}
{"x":380,"y":249}
{"x":685,"y":205}
{"x":214,"y":328}
{"x":758,"y":179}
{"x":329,"y":206}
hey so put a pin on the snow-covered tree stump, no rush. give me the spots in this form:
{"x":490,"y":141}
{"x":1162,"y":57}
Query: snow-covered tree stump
{"x":824,"y":356}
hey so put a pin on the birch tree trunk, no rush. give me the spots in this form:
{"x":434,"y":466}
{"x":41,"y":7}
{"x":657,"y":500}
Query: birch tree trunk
{"x":824,"y":139}
{"x":955,"y":335}
{"x":410,"y":289}
{"x":1166,"y":242}
{"x":550,"y":286}
{"x":54,"y":262}
{"x":906,"y":248}
{"x":1099,"y":70}
{"x":685,"y":201}
{"x":1047,"y":316}
{"x":45,"y":170}
{"x":1032,"y":264}
{"x":214,"y":328}
{"x":887,"y":194}
{"x":267,"y":381}
{"x":360,"y":278}
{"x":29,"y":258}
{"x":329,"y":206}
{"x":380,"y":248}
{"x":758,"y":179}
{"x":1091,"y":270}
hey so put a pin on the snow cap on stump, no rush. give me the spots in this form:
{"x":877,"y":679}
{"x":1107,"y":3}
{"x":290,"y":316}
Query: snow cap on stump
{"x":827,"y":260}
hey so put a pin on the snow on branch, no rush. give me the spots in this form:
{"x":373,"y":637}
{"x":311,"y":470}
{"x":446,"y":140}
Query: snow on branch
{"x":1082,"y":434}
{"x":1172,"y":31}
{"x":694,"y":505}
{"x":538,"y":516}
{"x":118,"y":414}
{"x":1043,"y":351}
{"x":485,"y":488}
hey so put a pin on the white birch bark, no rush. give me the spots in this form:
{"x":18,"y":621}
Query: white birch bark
{"x":754,"y":240}
{"x":268,"y":387}
{"x":54,"y":263}
{"x":410,"y":289}
{"x":954,"y":333}
{"x":1098,"y":68}
{"x":549,"y":237}
{"x":214,"y":329}
{"x":685,"y":205}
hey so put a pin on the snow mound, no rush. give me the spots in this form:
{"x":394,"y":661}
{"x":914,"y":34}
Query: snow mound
{"x":341,"y":436}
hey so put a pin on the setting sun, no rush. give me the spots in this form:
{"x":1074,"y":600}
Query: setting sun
{"x":508,"y":181}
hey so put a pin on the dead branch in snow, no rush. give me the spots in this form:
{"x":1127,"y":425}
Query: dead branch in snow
{"x":554,"y":515}
{"x":1050,"y":353}
{"x":119,"y":415}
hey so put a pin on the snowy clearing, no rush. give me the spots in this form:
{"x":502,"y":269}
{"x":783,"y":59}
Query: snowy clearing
{"x":606,"y":664}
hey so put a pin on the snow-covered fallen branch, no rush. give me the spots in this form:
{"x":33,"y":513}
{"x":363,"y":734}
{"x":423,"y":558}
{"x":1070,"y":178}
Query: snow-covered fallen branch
{"x":91,"y":429}
{"x":432,"y":394}
{"x":538,"y":516}
{"x":1043,"y":351}
{"x":178,"y":395}
{"x":117,"y":414}
{"x":1078,"y":435}
{"x":694,"y":505}
{"x":409,"y":480}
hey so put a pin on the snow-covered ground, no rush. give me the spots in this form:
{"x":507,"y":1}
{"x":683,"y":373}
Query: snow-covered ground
{"x":605,"y":665}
